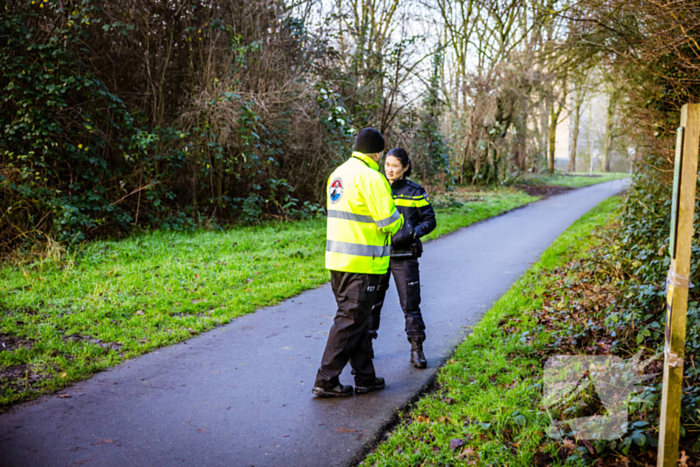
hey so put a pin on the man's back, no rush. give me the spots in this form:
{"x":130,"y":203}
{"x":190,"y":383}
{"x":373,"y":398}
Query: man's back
{"x":361,"y":218}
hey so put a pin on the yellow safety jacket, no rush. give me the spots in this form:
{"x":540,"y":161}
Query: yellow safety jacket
{"x":361,"y":218}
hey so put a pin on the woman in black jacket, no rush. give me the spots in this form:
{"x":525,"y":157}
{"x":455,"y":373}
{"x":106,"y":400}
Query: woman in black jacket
{"x":413,"y":202}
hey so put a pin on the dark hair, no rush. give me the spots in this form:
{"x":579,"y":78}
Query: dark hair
{"x":402,"y":156}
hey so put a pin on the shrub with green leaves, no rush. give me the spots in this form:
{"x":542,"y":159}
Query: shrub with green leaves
{"x":641,"y":255}
{"x":62,"y":130}
{"x":114,"y":117}
{"x":626,"y":276}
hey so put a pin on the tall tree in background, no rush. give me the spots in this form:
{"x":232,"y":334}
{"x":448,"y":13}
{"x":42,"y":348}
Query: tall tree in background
{"x":585,"y":82}
{"x":510,"y":70}
{"x":376,"y":58}
{"x":610,"y":131}
{"x":579,"y":94}
{"x":431,"y":151}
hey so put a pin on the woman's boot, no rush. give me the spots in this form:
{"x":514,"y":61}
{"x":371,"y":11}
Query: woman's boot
{"x":417,"y":356}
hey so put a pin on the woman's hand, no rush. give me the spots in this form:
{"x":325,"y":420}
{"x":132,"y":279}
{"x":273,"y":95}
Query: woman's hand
{"x":404,"y":237}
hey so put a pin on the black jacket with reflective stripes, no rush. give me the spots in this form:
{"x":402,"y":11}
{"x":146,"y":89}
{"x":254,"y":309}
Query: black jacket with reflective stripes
{"x":413,"y":202}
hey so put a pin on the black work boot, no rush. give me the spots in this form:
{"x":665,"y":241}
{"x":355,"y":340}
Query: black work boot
{"x":341,"y":390}
{"x":417,"y":356}
{"x":375,"y":386}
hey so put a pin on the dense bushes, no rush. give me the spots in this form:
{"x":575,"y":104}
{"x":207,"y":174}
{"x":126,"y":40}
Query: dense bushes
{"x":142,"y":113}
{"x":616,"y":305}
{"x":641,"y":255}
{"x":64,"y":134}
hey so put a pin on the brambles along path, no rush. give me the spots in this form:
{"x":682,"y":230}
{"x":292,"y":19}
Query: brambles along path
{"x":241,"y":394}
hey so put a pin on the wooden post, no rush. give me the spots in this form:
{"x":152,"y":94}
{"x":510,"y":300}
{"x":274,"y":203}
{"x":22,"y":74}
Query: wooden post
{"x":685,"y":179}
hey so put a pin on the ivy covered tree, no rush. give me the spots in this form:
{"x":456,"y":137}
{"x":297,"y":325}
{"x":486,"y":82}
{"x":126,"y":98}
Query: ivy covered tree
{"x":431,"y":150}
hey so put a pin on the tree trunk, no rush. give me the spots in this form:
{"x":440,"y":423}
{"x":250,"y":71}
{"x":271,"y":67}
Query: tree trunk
{"x":574,"y":137}
{"x":588,"y":140}
{"x":521,"y":141}
{"x":553,"y":117}
{"x":609,"y":133}
{"x":544,"y":122}
{"x":554,"y":113}
{"x":607,"y":144}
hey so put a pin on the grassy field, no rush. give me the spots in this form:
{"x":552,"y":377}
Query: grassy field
{"x":485,"y":410}
{"x":60,"y":321}
{"x":574,"y":180}
{"x":464,"y":207}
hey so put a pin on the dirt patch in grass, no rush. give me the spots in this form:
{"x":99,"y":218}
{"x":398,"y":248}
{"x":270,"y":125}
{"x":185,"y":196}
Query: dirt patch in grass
{"x":9,"y":343}
{"x":14,"y":372}
{"x":185,"y":314}
{"x":19,"y":378}
{"x":105,"y":345}
{"x":544,"y":191}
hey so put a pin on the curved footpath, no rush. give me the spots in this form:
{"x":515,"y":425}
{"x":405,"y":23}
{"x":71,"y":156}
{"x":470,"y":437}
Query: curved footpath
{"x":241,"y":394}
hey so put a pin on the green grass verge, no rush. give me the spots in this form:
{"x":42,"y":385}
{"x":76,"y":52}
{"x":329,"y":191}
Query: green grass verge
{"x":486,"y":408}
{"x":60,"y":321}
{"x":463,"y":208}
{"x":573,"y":180}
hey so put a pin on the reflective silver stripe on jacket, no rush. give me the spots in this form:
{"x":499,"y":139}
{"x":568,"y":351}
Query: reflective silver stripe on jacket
{"x":350,"y":216}
{"x":356,"y":249}
{"x":389,"y":220}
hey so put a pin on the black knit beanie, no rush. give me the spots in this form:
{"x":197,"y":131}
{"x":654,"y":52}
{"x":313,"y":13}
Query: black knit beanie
{"x":368,"y":141}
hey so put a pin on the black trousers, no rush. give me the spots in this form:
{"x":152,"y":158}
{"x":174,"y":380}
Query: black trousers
{"x":407,"y":279}
{"x":348,"y":338}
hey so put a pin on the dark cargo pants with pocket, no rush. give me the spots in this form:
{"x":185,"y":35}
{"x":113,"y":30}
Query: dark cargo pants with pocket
{"x":348,"y":339}
{"x":407,"y":279}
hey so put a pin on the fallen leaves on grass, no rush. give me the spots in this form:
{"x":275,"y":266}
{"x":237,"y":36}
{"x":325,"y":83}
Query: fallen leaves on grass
{"x":456,"y":443}
{"x":583,"y":295}
{"x":469,"y":455}
{"x":621,"y":461}
{"x":542,"y":190}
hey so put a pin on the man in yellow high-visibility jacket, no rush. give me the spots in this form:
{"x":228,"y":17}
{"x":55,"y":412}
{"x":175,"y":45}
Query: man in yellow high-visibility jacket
{"x":361,"y":219}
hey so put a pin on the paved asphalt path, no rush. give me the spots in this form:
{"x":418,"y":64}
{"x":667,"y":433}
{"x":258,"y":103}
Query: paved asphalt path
{"x":240,"y":395}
